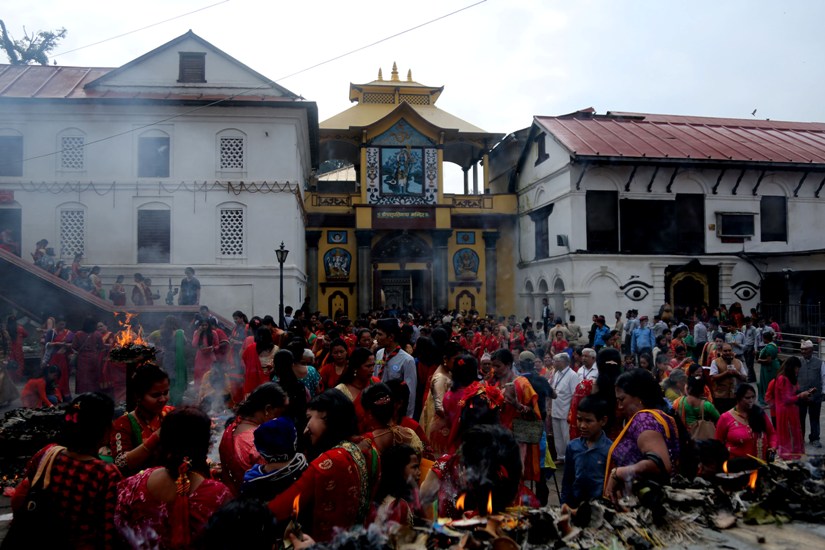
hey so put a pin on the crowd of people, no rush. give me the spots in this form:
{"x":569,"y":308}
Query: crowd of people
{"x":89,"y":279}
{"x":395,"y":420}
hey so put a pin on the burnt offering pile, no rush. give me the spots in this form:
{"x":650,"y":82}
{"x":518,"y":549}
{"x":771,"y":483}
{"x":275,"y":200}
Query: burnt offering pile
{"x":23,"y":432}
{"x":129,"y":346}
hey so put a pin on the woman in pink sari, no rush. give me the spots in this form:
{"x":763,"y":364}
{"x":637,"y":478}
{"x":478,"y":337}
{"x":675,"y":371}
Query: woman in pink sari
{"x":787,"y":396}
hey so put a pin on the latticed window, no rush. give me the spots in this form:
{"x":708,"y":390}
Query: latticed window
{"x":376,"y":97}
{"x":415,"y":99}
{"x":72,"y":232}
{"x":232,"y":232}
{"x":71,"y":154}
{"x":231,"y":153}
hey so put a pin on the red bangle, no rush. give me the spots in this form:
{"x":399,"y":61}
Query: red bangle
{"x":151,"y":442}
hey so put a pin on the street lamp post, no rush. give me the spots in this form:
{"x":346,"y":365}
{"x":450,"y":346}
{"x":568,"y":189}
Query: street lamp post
{"x":281,"y":253}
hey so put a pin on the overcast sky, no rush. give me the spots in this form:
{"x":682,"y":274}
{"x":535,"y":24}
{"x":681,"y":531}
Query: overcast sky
{"x":501,"y":62}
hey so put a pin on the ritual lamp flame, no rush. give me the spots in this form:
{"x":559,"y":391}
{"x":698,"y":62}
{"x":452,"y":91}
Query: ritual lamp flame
{"x":725,"y":466}
{"x":459,"y":503}
{"x":752,"y":480}
{"x":490,"y":503}
{"x":127,"y":336}
{"x":296,"y":506}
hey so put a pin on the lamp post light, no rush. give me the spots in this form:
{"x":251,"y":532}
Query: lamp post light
{"x":281,"y":253}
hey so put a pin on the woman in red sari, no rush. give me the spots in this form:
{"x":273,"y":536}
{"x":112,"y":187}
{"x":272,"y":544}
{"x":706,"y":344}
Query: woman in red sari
{"x":237,"y":447}
{"x":336,"y":490}
{"x":135,"y":435}
{"x":206,"y":342}
{"x":355,"y":380}
{"x":335,"y":365}
{"x":168,"y":506}
{"x":87,"y":344}
{"x":258,"y":359}
{"x":16,"y":336}
{"x":791,"y":443}
{"x":60,"y":343}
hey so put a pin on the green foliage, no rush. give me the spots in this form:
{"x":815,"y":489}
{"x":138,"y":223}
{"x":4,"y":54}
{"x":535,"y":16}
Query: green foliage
{"x":32,"y":48}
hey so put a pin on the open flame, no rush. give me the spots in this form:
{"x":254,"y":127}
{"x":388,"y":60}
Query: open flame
{"x":459,"y":503}
{"x":127,"y":336}
{"x":296,"y":506}
{"x":490,"y":503}
{"x":753,"y":479}
{"x":725,"y":466}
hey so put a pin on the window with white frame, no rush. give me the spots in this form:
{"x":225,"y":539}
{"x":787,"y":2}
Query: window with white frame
{"x":72,"y":232}
{"x":231,"y":242}
{"x":153,"y":155}
{"x":231,"y":151}
{"x":72,"y":152}
{"x":11,"y":153}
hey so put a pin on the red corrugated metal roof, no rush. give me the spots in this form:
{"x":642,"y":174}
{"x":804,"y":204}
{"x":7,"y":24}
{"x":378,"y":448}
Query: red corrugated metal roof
{"x":50,"y":82}
{"x":650,"y":136}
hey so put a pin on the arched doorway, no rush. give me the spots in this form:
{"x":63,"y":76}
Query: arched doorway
{"x":401,"y":282}
{"x":529,"y":299}
{"x":691,"y":285}
{"x":558,"y":300}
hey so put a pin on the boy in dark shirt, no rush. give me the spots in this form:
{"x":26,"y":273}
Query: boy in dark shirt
{"x":586,"y":456}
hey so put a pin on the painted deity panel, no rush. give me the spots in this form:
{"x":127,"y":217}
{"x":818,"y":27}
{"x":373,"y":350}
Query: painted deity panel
{"x":402,"y":171}
{"x":465,"y":263}
{"x":337,"y":263}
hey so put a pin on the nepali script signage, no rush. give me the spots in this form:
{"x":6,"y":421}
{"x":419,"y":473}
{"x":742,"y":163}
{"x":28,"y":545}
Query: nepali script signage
{"x":403,"y":218}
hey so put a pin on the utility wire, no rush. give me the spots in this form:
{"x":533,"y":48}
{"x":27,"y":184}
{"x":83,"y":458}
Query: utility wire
{"x":140,"y":29}
{"x":243,"y":92}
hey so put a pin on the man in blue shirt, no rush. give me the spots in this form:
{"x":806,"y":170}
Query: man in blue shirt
{"x":586,"y":456}
{"x":643,"y":339}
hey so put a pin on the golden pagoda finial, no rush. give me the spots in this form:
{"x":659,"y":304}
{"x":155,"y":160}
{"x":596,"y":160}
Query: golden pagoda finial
{"x":394,"y":76}
{"x":380,"y":74}
{"x":409,"y":75}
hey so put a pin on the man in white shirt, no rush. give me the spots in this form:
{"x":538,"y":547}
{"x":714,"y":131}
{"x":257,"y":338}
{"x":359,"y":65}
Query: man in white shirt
{"x":392,"y":362}
{"x":588,"y":370}
{"x":564,"y":384}
{"x":726,"y":372}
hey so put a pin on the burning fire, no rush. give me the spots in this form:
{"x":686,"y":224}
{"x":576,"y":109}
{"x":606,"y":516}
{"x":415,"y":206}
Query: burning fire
{"x":725,"y":466}
{"x":490,"y":503}
{"x":752,"y":480}
{"x":296,"y":506}
{"x":127,"y":336}
{"x":459,"y":503}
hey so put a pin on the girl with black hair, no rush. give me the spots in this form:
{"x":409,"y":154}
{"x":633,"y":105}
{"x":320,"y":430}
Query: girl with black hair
{"x":169,"y":505}
{"x":42,"y":390}
{"x":335,"y":365}
{"x":258,"y":359}
{"x":335,"y":491}
{"x":304,"y":373}
{"x":745,"y":429}
{"x":380,"y":409}
{"x":356,"y":378}
{"x":397,"y":498}
{"x":298,"y":394}
{"x":77,"y":488}
{"x":648,"y":446}
{"x":136,"y":435}
{"x":237,"y":447}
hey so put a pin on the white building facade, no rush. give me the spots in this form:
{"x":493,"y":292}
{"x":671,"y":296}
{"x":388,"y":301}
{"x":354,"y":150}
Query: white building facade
{"x":629,"y":211}
{"x":181,"y":158}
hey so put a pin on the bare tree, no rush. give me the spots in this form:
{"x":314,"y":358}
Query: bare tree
{"x":32,"y":48}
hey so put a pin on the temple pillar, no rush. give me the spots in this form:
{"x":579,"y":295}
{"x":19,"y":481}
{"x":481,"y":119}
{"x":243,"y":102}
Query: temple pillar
{"x":475,"y":178}
{"x":313,"y":237}
{"x":440,"y":266}
{"x":466,"y":181}
{"x":490,"y":272}
{"x":363,"y":238}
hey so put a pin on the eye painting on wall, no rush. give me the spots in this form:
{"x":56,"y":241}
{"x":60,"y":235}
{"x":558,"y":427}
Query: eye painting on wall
{"x":402,"y":171}
{"x":745,"y":290}
{"x":465,"y":263}
{"x":337,"y":263}
{"x":636,"y":290}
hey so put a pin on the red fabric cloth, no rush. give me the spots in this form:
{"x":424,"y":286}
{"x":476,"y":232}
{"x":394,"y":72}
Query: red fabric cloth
{"x":791,"y":444}
{"x":204,"y":358}
{"x":142,"y":518}
{"x":88,"y":371}
{"x":253,"y":371}
{"x":60,"y":358}
{"x":734,"y":431}
{"x":583,"y":389}
{"x":34,"y":395}
{"x":83,"y":494}
{"x":122,"y":439}
{"x":329,"y":378}
{"x":16,"y":353}
{"x":238,"y":454}
{"x":331,"y":490}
